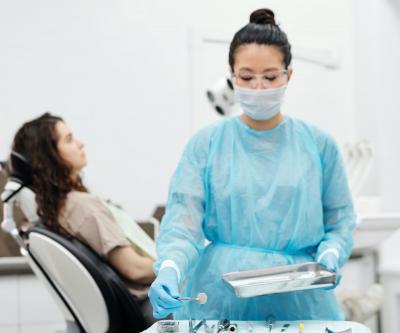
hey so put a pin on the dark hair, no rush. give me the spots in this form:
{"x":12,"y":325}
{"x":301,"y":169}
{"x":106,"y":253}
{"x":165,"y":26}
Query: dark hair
{"x":261,"y":30}
{"x":37,"y":141}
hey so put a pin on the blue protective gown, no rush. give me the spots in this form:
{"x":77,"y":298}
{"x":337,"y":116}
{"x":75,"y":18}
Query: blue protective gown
{"x":262,"y":199}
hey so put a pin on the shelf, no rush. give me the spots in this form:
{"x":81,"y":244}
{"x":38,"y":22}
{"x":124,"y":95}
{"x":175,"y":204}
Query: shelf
{"x":14,"y":265}
{"x":373,"y":230}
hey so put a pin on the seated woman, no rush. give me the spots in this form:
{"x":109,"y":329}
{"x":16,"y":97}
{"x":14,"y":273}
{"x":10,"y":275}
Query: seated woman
{"x":66,"y":206}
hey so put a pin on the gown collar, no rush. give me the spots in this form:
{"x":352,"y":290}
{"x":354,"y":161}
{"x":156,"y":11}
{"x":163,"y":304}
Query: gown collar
{"x":247,"y":128}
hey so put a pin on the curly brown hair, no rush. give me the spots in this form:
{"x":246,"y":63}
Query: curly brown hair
{"x":37,"y":141}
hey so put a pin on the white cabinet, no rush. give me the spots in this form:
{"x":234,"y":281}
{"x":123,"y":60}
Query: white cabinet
{"x":26,"y":306}
{"x":9,"y":301}
{"x":390,"y":315}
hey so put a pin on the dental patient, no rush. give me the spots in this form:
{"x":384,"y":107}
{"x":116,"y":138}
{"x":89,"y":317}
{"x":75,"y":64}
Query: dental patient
{"x":66,"y":207}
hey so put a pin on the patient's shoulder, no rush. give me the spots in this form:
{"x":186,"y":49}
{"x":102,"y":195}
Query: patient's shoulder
{"x":87,"y":218}
{"x":76,"y":196}
{"x":82,"y":204}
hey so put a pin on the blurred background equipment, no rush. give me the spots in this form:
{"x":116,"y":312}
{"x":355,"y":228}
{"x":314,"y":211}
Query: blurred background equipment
{"x":221,"y":97}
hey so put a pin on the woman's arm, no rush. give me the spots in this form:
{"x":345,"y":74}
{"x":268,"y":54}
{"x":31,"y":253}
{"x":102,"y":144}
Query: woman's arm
{"x":131,"y":265}
{"x":339,"y":215}
{"x":181,"y":238}
{"x":90,"y":221}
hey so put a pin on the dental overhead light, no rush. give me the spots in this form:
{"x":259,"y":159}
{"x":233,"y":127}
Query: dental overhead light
{"x":221,"y":97}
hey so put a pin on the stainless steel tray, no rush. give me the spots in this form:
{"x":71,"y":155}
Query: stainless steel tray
{"x":279,"y":279}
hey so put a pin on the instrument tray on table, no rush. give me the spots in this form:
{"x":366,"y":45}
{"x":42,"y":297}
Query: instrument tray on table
{"x":279,"y":279}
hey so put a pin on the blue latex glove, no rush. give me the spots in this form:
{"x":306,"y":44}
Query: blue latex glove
{"x":331,"y":262}
{"x":163,"y":293}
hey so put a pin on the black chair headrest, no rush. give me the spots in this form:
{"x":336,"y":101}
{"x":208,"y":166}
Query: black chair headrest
{"x":21,"y":169}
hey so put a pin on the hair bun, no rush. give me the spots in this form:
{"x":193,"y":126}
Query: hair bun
{"x":263,"y":16}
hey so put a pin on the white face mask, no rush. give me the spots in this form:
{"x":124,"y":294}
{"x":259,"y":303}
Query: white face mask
{"x":260,"y":104}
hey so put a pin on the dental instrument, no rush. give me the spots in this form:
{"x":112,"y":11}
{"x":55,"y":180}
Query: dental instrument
{"x":168,"y":326}
{"x":270,"y":322}
{"x":327,"y":330}
{"x":201,"y":298}
{"x":198,"y":326}
{"x":223,"y":325}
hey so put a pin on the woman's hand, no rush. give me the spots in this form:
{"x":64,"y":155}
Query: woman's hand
{"x":331,"y":262}
{"x":164,"y":292}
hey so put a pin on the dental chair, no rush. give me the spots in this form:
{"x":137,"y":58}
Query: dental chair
{"x":89,"y":293}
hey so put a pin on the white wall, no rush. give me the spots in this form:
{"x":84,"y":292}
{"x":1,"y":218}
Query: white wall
{"x":129,"y":77}
{"x":377,"y":50}
{"x":316,"y":93}
{"x":388,"y":105}
{"x":101,"y":65}
{"x":377,"y":53}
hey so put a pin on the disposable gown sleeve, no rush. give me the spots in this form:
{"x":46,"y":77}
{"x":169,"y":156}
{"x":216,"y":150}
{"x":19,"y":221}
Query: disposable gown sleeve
{"x":338,"y":211}
{"x":181,"y":237}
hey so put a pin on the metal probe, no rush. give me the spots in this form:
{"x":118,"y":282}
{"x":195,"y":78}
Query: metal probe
{"x":201,"y":298}
{"x":270,"y":322}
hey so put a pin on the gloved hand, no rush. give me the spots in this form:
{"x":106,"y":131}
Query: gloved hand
{"x":331,"y":262}
{"x":163,"y":293}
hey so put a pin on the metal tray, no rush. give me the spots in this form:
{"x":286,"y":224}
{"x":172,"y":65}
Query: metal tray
{"x":279,"y":279}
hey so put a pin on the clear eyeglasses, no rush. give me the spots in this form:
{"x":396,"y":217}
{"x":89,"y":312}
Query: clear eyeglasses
{"x":270,"y":79}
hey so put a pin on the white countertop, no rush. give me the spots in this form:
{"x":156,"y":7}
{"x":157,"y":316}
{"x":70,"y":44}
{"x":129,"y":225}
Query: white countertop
{"x":14,"y":265}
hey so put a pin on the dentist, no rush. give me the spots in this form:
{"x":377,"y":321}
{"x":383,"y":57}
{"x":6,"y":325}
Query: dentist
{"x":263,"y":188}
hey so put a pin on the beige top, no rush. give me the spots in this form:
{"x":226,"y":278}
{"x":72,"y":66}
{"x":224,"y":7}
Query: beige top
{"x":86,"y":217}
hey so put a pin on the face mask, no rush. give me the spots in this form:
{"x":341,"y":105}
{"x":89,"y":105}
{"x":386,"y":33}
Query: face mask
{"x":260,"y":104}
